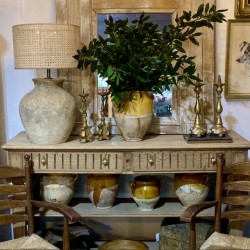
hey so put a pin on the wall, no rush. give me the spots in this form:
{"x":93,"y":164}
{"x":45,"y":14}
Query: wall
{"x":14,"y":84}
{"x":235,"y":113}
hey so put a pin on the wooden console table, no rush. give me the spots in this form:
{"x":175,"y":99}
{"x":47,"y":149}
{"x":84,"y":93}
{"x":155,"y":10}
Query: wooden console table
{"x":156,"y":154}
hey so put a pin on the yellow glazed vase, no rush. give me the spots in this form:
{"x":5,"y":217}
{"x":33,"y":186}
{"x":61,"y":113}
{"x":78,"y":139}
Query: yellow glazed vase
{"x":146,"y":191}
{"x":103,"y":189}
{"x":191,"y":188}
{"x":136,"y":117}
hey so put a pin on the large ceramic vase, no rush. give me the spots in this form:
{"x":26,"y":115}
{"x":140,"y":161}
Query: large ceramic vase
{"x":146,"y":191}
{"x":103,"y":189}
{"x":135,"y":119}
{"x":191,"y":188}
{"x":48,"y":112}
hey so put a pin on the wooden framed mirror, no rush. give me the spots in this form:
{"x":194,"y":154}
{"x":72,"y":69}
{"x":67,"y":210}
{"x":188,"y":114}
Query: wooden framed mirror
{"x":85,"y":14}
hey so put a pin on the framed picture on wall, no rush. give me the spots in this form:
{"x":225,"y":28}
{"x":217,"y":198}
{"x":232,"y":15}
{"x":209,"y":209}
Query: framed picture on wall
{"x":237,"y":74}
{"x":242,"y":8}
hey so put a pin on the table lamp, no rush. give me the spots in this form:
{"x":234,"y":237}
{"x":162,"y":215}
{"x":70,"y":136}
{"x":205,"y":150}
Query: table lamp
{"x":48,"y":112}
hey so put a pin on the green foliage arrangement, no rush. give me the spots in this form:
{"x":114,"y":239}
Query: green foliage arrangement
{"x":140,"y":57}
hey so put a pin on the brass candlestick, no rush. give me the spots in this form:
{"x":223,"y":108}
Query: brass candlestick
{"x":198,"y":129}
{"x":103,"y":132}
{"x":85,"y":134}
{"x":218,"y":128}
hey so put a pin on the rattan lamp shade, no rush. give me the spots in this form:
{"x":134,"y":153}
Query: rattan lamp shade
{"x":48,"y":111}
{"x":49,"y":46}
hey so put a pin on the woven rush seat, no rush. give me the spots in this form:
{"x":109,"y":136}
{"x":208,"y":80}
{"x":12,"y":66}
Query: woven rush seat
{"x":27,"y":242}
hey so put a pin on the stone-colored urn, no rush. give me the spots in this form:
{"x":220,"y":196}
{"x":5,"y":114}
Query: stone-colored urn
{"x":48,"y":112}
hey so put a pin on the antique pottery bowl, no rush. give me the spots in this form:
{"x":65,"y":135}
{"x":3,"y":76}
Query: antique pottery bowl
{"x":123,"y":244}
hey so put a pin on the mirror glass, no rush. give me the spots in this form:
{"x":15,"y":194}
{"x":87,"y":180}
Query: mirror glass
{"x":162,"y":103}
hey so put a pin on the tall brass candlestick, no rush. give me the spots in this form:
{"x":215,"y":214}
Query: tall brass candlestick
{"x":198,"y":128}
{"x":85,"y":134}
{"x":218,"y":128}
{"x":103,"y":132}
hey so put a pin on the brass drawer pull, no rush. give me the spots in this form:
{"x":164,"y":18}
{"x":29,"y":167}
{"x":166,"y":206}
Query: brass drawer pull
{"x":105,"y":162}
{"x":43,"y":161}
{"x":213,"y":159}
{"x":151,"y":160}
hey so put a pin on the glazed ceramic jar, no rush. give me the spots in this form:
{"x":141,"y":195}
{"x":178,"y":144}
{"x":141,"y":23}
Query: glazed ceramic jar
{"x":146,"y":191}
{"x":58,"y":188}
{"x":191,"y":188}
{"x":136,"y":117}
{"x":103,"y":189}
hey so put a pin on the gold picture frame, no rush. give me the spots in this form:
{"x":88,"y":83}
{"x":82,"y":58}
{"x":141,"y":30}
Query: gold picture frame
{"x":242,"y":8}
{"x":237,"y":71}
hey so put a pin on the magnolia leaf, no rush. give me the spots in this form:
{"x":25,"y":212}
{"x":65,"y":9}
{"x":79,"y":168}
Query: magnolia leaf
{"x":179,"y":48}
{"x":77,"y":57}
{"x":109,"y":71}
{"x":207,"y":8}
{"x":141,"y":79}
{"x":193,"y":40}
{"x":212,"y":9}
{"x":190,"y":69}
{"x":113,"y":76}
{"x":200,"y":9}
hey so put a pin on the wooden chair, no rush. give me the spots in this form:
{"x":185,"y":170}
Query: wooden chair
{"x":16,"y":187}
{"x":232,"y":189}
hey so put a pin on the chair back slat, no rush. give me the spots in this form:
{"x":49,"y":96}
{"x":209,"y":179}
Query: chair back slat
{"x":15,"y":202}
{"x":241,"y":168}
{"x":239,"y":215}
{"x":237,"y":186}
{"x":5,"y":204}
{"x":18,"y":196}
{"x":240,"y":200}
{"x":7,"y":189}
{"x":13,"y":218}
{"x":238,"y":177}
{"x":7,"y":172}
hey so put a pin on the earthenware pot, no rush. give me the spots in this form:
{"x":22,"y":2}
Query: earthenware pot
{"x":123,"y":244}
{"x":103,"y":189}
{"x":146,"y":191}
{"x":135,"y":119}
{"x":58,"y":188}
{"x":48,"y":112}
{"x":191,"y":188}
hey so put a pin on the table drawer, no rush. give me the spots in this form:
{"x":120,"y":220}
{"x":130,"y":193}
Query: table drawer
{"x":78,"y":162}
{"x":125,"y":162}
{"x":174,"y":161}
